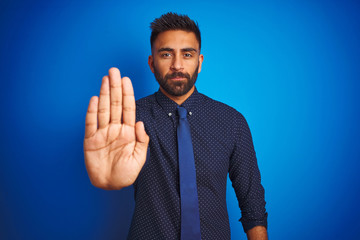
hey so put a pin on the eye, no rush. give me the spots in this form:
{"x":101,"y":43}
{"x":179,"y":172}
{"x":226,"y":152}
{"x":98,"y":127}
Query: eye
{"x":188,"y":55}
{"x":166,"y":55}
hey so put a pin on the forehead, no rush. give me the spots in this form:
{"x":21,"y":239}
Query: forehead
{"x":176,"y":39}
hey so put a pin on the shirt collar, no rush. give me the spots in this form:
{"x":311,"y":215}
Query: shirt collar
{"x":170,"y":106}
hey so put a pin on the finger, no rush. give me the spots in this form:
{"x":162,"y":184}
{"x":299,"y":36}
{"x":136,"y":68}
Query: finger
{"x":115,"y":95}
{"x":142,"y":142}
{"x":128,"y":102}
{"x":104,"y":103}
{"x":91,"y":117}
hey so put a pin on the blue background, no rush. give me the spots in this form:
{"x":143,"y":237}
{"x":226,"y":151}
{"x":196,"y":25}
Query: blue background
{"x":291,"y":67}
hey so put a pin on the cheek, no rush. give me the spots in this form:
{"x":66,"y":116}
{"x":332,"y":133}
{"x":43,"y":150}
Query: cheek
{"x":191,"y":67}
{"x":162,"y":67}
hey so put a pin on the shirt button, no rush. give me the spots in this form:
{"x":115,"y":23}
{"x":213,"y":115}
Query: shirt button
{"x":170,"y":114}
{"x":190,"y":113}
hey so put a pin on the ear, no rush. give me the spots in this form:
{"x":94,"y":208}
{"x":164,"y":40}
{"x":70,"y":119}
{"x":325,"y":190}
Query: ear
{"x":201,"y":59}
{"x":151,"y":63}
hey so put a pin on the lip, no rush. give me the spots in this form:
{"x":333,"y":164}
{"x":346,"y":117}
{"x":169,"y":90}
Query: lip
{"x":177,"y":78}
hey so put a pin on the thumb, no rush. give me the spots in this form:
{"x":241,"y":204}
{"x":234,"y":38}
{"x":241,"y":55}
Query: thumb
{"x":142,"y":142}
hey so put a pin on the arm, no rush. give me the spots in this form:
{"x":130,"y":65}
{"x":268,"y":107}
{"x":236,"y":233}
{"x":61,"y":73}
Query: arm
{"x":114,"y":146}
{"x":257,"y":233}
{"x":245,"y":176}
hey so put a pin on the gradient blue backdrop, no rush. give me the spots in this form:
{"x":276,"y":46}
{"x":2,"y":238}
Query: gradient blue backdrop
{"x":291,"y":67}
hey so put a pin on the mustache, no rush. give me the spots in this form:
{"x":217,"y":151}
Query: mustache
{"x":177,"y":74}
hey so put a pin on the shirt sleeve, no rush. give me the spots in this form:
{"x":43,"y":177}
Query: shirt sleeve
{"x":245,"y":177}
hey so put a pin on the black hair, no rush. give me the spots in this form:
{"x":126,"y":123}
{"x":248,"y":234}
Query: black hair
{"x":173,"y":21}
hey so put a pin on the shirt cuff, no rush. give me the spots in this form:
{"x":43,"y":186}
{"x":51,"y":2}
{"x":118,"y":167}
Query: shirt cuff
{"x":250,"y":223}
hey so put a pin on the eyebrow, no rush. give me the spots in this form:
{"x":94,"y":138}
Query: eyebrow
{"x":166,"y":49}
{"x":188,"y":50}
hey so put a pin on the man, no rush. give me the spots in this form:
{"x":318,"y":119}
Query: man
{"x":118,"y":152}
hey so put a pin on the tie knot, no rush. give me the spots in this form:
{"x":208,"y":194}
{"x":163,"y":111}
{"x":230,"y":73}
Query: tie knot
{"x":182,"y":112}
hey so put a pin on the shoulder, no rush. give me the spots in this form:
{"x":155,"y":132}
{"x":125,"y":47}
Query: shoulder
{"x":146,"y":101}
{"x":225,"y":117}
{"x":145,"y":107}
{"x":223,"y":120}
{"x":222,"y":109}
{"x":145,"y":104}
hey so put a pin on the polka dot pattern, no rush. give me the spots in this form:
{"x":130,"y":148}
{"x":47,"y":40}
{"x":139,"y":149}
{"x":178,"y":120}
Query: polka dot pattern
{"x":222,"y":145}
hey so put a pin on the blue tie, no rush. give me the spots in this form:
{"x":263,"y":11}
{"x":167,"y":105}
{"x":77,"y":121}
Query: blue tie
{"x":190,"y":219}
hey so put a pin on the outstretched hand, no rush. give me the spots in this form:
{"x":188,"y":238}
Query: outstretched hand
{"x":114,"y":146}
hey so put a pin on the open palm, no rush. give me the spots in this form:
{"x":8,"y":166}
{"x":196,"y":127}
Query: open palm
{"x":114,"y":146}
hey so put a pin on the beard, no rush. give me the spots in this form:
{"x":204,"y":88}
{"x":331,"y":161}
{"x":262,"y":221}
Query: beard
{"x":176,"y":88}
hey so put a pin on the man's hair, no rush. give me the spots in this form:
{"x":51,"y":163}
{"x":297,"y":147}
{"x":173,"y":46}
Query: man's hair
{"x":173,"y":21}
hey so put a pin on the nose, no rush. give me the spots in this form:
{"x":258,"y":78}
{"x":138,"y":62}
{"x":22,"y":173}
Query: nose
{"x":177,"y":63}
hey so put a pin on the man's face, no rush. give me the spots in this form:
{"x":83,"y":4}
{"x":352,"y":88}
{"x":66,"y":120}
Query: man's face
{"x":176,"y":61}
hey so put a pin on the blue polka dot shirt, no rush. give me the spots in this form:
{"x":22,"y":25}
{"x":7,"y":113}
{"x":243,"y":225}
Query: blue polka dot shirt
{"x":222,"y":145}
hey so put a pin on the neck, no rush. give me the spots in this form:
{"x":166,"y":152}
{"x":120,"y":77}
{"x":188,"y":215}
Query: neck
{"x":178,"y":99}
